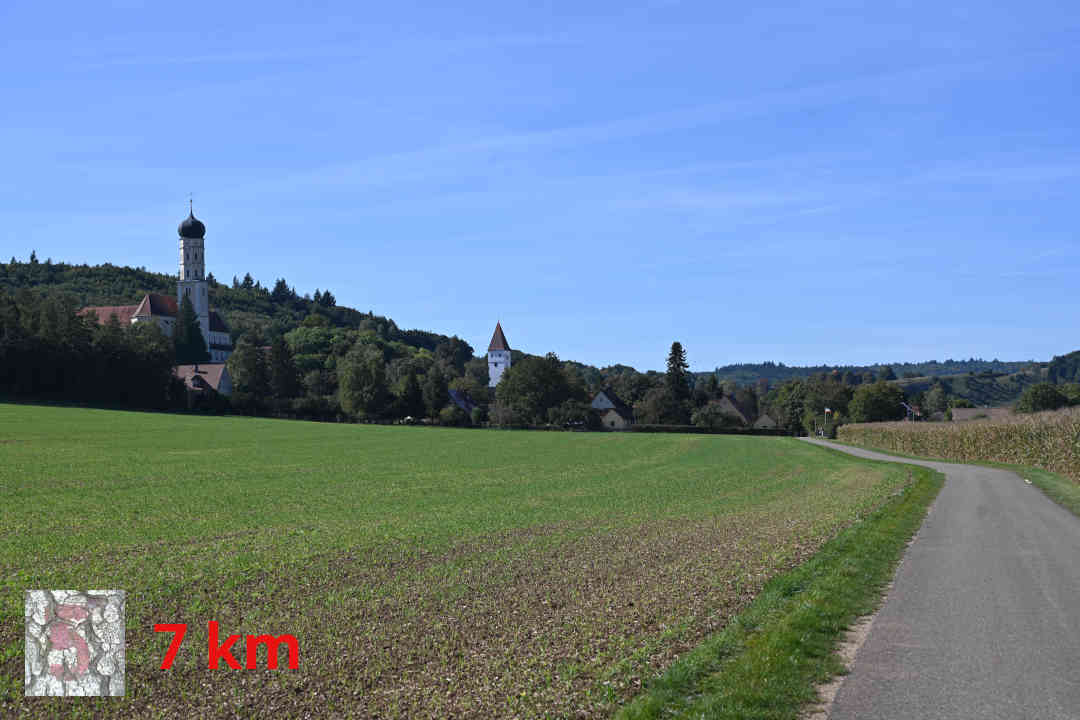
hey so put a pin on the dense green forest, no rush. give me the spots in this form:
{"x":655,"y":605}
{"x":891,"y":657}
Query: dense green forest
{"x":1064,"y":368}
{"x":750,"y":373}
{"x":249,"y":308}
{"x":47,"y":352}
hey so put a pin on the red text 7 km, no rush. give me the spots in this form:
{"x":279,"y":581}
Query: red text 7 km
{"x":220,"y":651}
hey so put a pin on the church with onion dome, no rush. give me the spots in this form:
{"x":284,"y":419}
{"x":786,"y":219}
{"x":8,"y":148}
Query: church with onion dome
{"x":164,"y":309}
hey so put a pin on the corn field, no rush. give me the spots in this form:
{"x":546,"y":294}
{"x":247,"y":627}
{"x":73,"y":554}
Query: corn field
{"x":1048,"y":440}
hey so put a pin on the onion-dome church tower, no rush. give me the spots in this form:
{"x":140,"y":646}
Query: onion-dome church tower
{"x":192,"y":283}
{"x":498,"y":356}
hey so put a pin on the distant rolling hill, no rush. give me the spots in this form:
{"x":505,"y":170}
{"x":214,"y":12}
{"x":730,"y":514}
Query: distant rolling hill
{"x":750,"y":373}
{"x":985,"y":389}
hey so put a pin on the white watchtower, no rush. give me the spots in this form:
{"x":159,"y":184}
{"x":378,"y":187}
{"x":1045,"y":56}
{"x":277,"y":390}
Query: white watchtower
{"x":192,"y":281}
{"x":498,"y":356}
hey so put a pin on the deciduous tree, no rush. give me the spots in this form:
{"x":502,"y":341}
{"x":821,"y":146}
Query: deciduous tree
{"x":249,"y":372}
{"x":877,"y":402}
{"x":411,"y":399}
{"x":284,"y":377}
{"x":362,"y":387}
{"x":1043,"y":396}
{"x":532,"y":386}
{"x":435,"y":391}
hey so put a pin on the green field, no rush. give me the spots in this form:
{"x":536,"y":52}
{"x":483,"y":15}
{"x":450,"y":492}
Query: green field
{"x":425,"y":572}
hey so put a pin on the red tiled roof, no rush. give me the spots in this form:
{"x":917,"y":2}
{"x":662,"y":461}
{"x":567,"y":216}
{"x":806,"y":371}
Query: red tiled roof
{"x":498,"y":340}
{"x":156,"y":304}
{"x":210,"y":373}
{"x":101,"y":313}
{"x":152,"y":305}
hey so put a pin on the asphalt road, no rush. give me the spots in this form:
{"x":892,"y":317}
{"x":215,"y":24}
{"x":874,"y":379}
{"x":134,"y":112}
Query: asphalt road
{"x":983,"y":620}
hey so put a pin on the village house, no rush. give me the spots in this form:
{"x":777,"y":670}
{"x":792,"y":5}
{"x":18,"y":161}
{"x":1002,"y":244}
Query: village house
{"x":730,"y":408}
{"x":614,"y":413}
{"x":765,"y":422}
{"x":204,"y":381}
{"x":462,"y":400}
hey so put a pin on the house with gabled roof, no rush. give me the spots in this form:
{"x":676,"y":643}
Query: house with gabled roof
{"x":205,"y":376}
{"x":206,"y":385}
{"x":728,"y":407}
{"x":614,"y":413}
{"x":765,"y":422}
{"x":462,"y":400}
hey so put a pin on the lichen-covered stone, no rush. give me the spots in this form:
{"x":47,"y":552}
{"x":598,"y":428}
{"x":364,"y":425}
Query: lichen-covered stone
{"x":74,"y":642}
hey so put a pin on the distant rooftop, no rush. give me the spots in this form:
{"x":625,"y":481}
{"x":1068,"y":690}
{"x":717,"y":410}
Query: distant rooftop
{"x":498,"y":340}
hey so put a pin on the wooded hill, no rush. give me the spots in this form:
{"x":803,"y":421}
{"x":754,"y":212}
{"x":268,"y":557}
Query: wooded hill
{"x":984,"y":389}
{"x":750,"y":373}
{"x":248,"y":307}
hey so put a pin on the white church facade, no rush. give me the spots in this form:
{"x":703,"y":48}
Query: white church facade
{"x":498,"y":356}
{"x":192,"y":283}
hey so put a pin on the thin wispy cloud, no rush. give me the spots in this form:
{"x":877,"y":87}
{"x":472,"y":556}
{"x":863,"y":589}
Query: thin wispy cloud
{"x":988,"y":173}
{"x":446,"y":159}
{"x":441,"y":46}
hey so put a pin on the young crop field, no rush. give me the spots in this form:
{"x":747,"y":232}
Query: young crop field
{"x":424,"y":572}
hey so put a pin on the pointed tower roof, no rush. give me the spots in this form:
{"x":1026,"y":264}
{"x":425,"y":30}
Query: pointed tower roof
{"x":498,"y":340}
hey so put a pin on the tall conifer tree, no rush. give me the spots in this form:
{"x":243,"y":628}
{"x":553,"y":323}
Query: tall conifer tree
{"x":188,"y":337}
{"x":678,"y":376}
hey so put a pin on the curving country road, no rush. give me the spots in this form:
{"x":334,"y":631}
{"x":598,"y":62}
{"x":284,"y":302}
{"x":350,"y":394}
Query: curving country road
{"x":983,"y":620}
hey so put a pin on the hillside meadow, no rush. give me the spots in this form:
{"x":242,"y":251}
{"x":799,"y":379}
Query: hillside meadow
{"x":425,"y":572}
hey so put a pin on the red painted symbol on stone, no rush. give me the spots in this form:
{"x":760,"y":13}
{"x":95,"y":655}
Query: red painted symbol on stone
{"x":62,"y":636}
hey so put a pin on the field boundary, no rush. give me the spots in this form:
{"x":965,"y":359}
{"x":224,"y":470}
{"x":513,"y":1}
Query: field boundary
{"x":771,"y":659}
{"x":1049,"y":440}
{"x":1058,"y":488}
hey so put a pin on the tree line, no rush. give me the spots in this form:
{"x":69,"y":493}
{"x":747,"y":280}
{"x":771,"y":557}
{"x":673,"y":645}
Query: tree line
{"x":751,"y":373}
{"x":48,"y":352}
{"x":302,"y":356}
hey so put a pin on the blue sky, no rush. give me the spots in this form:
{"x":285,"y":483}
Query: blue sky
{"x":806,"y":183}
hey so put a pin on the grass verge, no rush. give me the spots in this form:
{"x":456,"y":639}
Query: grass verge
{"x":768,"y":662}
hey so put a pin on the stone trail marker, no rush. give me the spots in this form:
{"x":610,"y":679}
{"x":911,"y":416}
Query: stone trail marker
{"x":74,"y":643}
